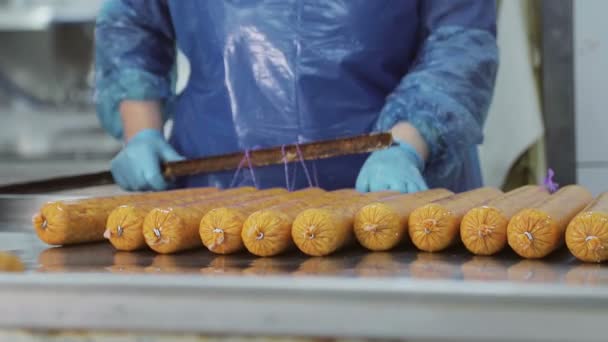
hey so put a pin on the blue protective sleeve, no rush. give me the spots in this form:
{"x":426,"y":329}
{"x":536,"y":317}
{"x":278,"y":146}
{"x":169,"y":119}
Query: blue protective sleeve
{"x":134,"y":56}
{"x":448,"y":89}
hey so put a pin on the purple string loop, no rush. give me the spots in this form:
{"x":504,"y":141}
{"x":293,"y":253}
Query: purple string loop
{"x":301,"y":157}
{"x":246,"y":159}
{"x":314,"y":173}
{"x":549,"y":184}
{"x":311,"y":181}
{"x":293,"y":178}
{"x":236,"y":173}
{"x":286,"y":167}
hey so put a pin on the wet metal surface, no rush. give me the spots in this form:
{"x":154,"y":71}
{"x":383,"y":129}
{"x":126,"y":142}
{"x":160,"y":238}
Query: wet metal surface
{"x":18,"y":237}
{"x":447,"y":296}
{"x":454,"y":265}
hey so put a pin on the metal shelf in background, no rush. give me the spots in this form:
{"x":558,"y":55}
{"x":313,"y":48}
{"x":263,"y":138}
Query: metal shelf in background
{"x":558,"y":88}
{"x":40,"y":15}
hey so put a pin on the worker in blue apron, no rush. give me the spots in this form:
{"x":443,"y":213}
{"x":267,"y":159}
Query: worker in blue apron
{"x":272,"y":72}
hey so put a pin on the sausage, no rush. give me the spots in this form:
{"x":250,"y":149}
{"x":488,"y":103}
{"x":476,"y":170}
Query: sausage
{"x":587,"y":233}
{"x":220,"y":229}
{"x":81,"y":221}
{"x":433,"y":266}
{"x":223,"y":265}
{"x":533,"y":271}
{"x":322,"y":231}
{"x":175,"y":228}
{"x":10,"y":263}
{"x":483,"y":229}
{"x":124,"y":226}
{"x":380,"y":264}
{"x":535,"y":232}
{"x":382,"y":225}
{"x":267,"y":266}
{"x":267,"y":232}
{"x":435,"y":226}
{"x":484,"y":268}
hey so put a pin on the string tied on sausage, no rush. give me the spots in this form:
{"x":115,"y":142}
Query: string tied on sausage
{"x":285,"y":167}
{"x":313,"y":180}
{"x":301,"y":157}
{"x":549,"y":183}
{"x":246,"y":159}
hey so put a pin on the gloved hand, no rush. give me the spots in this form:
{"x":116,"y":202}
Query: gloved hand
{"x":138,"y":166}
{"x":397,"y":168}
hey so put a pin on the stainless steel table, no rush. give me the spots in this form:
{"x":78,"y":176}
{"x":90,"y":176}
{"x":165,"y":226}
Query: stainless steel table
{"x":451,"y":296}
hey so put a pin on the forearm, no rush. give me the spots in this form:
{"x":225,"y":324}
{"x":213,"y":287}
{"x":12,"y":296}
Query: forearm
{"x":445,"y":95}
{"x":443,"y":100}
{"x":406,"y":132}
{"x":134,"y":58}
{"x":140,"y":115}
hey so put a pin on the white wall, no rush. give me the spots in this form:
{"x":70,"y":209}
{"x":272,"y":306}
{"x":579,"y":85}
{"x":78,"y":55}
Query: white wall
{"x":591,"y":92}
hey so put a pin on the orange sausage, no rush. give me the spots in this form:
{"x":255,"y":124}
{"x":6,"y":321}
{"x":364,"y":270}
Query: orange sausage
{"x":129,"y":263}
{"x":533,"y":271}
{"x":175,"y":228}
{"x":483,"y":268}
{"x":78,"y":258}
{"x":435,"y":226}
{"x":587,"y":275}
{"x":329,"y":266}
{"x":223,"y":265}
{"x":124,"y":226}
{"x":220,"y":229}
{"x":587,"y":233}
{"x":433,"y":266}
{"x":538,"y":231}
{"x":175,"y":264}
{"x":322,"y":231}
{"x":10,"y":263}
{"x":267,"y":267}
{"x":267,"y":232}
{"x":81,"y":221}
{"x":380,"y":264}
{"x":382,"y":225}
{"x":483,"y":230}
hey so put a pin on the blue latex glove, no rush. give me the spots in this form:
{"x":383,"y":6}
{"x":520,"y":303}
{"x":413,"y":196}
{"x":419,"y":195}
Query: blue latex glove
{"x":138,"y":166}
{"x":398,"y":168}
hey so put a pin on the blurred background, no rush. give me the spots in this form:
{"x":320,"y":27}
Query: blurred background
{"x":48,"y":124}
{"x":548,"y":109}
